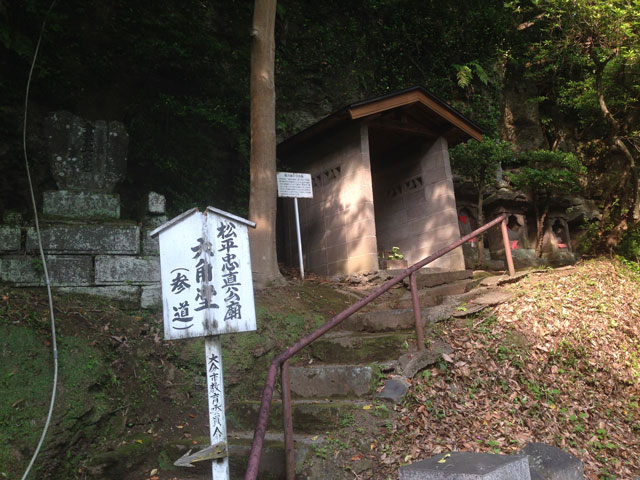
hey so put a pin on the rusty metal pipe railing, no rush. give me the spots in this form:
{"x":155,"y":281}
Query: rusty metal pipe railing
{"x":267,"y":394}
{"x":417,"y":314}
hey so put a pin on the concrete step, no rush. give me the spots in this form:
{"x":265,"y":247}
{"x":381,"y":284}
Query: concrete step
{"x":272,"y":460}
{"x":331,"y":381}
{"x":402,"y":319}
{"x":432,"y":296}
{"x":309,"y":416}
{"x":427,"y":278}
{"x":360,"y":348}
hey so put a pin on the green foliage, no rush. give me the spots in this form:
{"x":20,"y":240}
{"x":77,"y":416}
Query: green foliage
{"x":395,"y":254}
{"x":629,"y":246}
{"x":479,"y":160}
{"x":547,"y":173}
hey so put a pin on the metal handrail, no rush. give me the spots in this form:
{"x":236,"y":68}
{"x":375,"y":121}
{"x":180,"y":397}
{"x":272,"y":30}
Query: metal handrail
{"x":283,"y":358}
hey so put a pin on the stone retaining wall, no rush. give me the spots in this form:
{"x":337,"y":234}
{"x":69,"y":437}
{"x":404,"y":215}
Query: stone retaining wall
{"x":110,"y":258}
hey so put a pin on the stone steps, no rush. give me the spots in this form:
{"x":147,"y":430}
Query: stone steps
{"x":309,"y":416}
{"x":402,"y":319}
{"x":360,"y":347}
{"x":346,"y":366}
{"x":428,"y":296}
{"x":331,"y":381}
{"x":272,"y":463}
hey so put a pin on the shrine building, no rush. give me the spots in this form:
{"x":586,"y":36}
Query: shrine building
{"x":381,"y":179}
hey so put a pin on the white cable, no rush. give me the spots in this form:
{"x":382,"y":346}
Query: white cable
{"x":44,"y":261}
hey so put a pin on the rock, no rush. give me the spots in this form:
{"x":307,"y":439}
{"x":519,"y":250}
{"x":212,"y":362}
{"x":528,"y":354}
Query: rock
{"x":10,"y":239}
{"x":155,"y":203}
{"x":468,"y":466}
{"x":394,"y":389}
{"x":411,"y":363}
{"x":553,"y":463}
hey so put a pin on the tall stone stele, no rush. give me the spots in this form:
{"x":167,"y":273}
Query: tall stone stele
{"x":88,"y":159}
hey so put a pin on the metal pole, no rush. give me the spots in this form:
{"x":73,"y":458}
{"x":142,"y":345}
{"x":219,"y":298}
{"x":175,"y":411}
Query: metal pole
{"x":507,"y":247}
{"x":290,"y":461}
{"x":295,"y":205}
{"x":215,"y":394}
{"x":416,"y":311}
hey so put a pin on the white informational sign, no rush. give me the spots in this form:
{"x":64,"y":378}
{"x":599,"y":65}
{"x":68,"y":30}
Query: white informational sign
{"x":205,"y":266}
{"x":296,"y":185}
{"x":207,"y":290}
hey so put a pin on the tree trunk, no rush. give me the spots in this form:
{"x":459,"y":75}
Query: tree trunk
{"x":633,"y":216}
{"x":540,"y":232}
{"x":263,"y":196}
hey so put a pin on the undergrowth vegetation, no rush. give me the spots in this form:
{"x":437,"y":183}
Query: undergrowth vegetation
{"x":560,"y":365}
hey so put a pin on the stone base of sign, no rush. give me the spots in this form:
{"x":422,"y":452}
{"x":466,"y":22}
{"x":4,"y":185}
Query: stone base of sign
{"x":86,"y":238}
{"x":115,"y":269}
{"x":468,"y":466}
{"x":27,"y":271}
{"x":151,"y":297}
{"x":9,"y":239}
{"x":81,"y":205}
{"x":122,"y":294}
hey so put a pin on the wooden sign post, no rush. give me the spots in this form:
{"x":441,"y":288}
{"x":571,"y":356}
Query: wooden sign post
{"x":296,"y":185}
{"x":207,"y":291}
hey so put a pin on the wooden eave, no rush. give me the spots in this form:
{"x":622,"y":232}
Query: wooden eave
{"x":423,"y":113}
{"x":420,"y":96}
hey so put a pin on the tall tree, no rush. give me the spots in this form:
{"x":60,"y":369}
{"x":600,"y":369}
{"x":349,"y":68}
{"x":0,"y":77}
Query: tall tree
{"x":263,"y":195}
{"x":479,"y":162}
{"x":546,"y":174}
{"x":591,"y":51}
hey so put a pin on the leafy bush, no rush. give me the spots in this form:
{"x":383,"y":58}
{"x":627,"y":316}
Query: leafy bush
{"x":629,"y":246}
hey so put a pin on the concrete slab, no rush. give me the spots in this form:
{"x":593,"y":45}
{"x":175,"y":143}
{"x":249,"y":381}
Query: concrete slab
{"x":553,"y":463}
{"x":326,"y":381}
{"x":121,"y":239}
{"x":27,"y":271}
{"x":468,"y":466}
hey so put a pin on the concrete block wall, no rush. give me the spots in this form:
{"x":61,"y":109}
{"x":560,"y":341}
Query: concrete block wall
{"x":416,"y":207}
{"x":338,"y":224}
{"x":108,"y":258}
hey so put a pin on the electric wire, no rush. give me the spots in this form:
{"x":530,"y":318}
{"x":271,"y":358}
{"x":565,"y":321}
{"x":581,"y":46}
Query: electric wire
{"x":42,"y":257}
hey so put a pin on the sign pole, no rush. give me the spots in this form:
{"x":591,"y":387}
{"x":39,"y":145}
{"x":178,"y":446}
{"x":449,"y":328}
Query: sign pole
{"x":295,"y":205}
{"x":215,"y":391}
{"x":207,"y":291}
{"x":296,"y":185}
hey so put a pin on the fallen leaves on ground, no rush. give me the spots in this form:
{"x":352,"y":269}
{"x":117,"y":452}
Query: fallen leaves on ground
{"x":560,"y":364}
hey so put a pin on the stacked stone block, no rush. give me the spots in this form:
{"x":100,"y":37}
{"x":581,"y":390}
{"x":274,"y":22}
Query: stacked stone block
{"x":88,"y":248}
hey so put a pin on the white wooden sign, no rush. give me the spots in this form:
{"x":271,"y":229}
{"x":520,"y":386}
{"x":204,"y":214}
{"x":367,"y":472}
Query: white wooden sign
{"x":297,"y":185}
{"x":205,"y":267}
{"x":207,"y":290}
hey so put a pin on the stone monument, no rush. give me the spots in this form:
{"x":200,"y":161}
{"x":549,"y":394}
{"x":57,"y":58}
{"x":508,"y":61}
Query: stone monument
{"x":89,"y":249}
